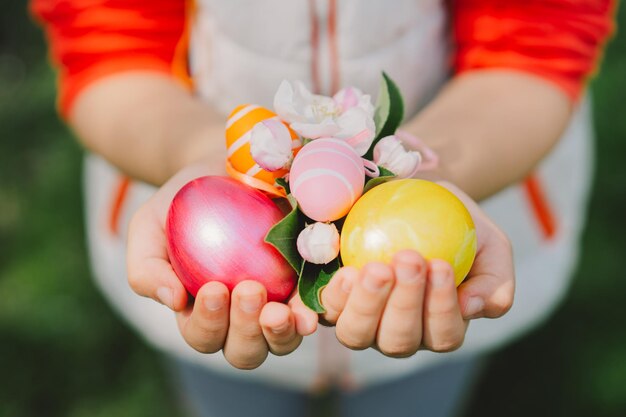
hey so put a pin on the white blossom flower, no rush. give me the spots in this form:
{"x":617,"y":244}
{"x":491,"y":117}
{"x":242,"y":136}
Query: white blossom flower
{"x":349,"y":115}
{"x":318,"y":243}
{"x":270,"y":145}
{"x":390,"y":153}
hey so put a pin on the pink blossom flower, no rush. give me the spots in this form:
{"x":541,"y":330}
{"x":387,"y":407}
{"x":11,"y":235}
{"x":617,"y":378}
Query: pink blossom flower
{"x":349,"y":115}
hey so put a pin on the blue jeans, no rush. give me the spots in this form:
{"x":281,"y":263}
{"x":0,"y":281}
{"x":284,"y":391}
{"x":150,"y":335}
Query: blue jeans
{"x":438,"y":391}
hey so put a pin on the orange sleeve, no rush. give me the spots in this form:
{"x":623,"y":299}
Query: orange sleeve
{"x":558,"y":40}
{"x":90,"y":39}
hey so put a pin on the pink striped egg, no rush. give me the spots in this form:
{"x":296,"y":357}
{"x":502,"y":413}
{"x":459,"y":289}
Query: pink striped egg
{"x":326,"y":178}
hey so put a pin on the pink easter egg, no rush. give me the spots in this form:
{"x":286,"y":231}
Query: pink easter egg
{"x":215,"y":231}
{"x":326,"y":178}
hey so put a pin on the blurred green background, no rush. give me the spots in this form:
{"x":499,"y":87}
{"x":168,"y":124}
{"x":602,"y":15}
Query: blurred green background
{"x":64,"y":353}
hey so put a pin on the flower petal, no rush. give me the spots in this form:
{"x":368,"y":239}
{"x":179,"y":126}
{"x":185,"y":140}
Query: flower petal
{"x":291,"y":101}
{"x":358,"y":128}
{"x":365,"y":103}
{"x":328,"y":127}
{"x":391,"y":154}
{"x":270,"y":145}
{"x":350,"y":97}
{"x":318,"y":243}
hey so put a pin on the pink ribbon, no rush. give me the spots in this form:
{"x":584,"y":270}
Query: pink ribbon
{"x":371,"y":169}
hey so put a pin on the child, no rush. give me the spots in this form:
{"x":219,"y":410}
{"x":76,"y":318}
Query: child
{"x":510,"y":128}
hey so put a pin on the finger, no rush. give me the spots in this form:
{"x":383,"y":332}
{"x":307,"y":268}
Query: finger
{"x":444,"y":327}
{"x":149,"y":271}
{"x":486,"y":296}
{"x":245,"y":346}
{"x":279,"y":328}
{"x":205,"y":324}
{"x":357,"y":325}
{"x":305,"y":318}
{"x":490,"y":287}
{"x":335,"y":295}
{"x":400,"y":330}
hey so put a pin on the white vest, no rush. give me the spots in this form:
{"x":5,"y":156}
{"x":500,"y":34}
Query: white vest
{"x":240,"y":51}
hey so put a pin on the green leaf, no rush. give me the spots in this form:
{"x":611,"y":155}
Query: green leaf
{"x":313,"y":278}
{"x":384,"y":172}
{"x":383,"y":105}
{"x":389,"y":111}
{"x":385,"y":176}
{"x":283,"y":235}
{"x":281,"y":182}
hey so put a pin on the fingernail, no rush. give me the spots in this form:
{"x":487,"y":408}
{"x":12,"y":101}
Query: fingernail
{"x":250,"y":304}
{"x":165,"y":296}
{"x":373,"y":283}
{"x":214,"y":302}
{"x":439,"y":277}
{"x":346,"y":284}
{"x":280,"y":328}
{"x":408,"y":273}
{"x":474,"y":306}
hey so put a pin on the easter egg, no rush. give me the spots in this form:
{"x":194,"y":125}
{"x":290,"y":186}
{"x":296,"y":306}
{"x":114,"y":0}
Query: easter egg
{"x":215,"y":232}
{"x":409,"y":214}
{"x":238,"y":129}
{"x":326,"y":178}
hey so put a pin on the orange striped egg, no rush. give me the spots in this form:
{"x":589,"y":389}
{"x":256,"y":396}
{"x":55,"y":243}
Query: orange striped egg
{"x":238,"y":129}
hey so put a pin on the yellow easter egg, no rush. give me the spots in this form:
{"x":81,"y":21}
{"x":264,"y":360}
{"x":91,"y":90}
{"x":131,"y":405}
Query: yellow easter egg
{"x":238,"y":128}
{"x":409,"y":214}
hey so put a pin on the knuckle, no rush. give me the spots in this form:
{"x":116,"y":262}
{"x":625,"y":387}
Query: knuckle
{"x":501,"y":305}
{"x":135,"y":280}
{"x":283,"y":348}
{"x":447,"y":345}
{"x":328,"y":297}
{"x":503,"y":240}
{"x":399,"y":350}
{"x":366,"y":310}
{"x":404,"y":308}
{"x":214,"y":329}
{"x":205,"y":339}
{"x":204,"y":347}
{"x":354,"y":344}
{"x":443,"y":308}
{"x":333,"y":306}
{"x":249,"y":334}
{"x":329,"y":319}
{"x":243,"y":363}
{"x":352,"y":341}
{"x":248,"y":366}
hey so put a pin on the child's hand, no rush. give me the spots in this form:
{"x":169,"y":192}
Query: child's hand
{"x":242,"y":324}
{"x":413,"y":304}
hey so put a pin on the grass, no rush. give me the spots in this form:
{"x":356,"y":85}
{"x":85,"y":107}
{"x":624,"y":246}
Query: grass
{"x":64,"y":353}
